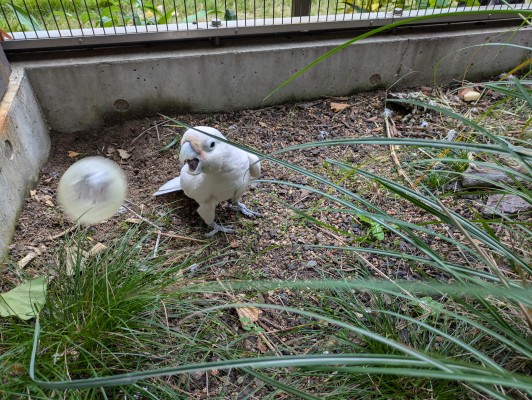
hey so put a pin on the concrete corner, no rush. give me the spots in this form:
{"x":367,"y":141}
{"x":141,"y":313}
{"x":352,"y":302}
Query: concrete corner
{"x":24,"y":148}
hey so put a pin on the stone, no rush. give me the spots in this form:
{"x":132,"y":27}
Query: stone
{"x":508,"y":204}
{"x":483,"y":177}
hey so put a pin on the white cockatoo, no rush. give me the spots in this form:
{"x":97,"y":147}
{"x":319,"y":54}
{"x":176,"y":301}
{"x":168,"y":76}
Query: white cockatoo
{"x":213,"y":171}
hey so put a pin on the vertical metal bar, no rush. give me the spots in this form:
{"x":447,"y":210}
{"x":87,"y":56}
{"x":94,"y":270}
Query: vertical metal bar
{"x":165,"y":19}
{"x":215,"y":10}
{"x":206,"y":16}
{"x":186,"y":12}
{"x":318,"y":13}
{"x":55,"y":19}
{"x":18,"y":19}
{"x":66,"y":17}
{"x":133,"y":15}
{"x":144,"y":15}
{"x":254,"y":12}
{"x":111,"y":16}
{"x":196,"y":12}
{"x":7,"y":21}
{"x":78,"y":18}
{"x":225,"y":12}
{"x":123,"y":16}
{"x":175,"y":14}
{"x":99,"y":14}
{"x":31,"y":19}
{"x":245,"y":13}
{"x":89,"y":16}
{"x":42,"y":18}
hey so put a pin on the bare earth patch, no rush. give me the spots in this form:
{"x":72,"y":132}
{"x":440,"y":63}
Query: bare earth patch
{"x":269,"y":247}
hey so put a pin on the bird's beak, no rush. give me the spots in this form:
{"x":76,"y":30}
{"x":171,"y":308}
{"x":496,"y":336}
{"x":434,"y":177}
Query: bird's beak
{"x":189,"y":156}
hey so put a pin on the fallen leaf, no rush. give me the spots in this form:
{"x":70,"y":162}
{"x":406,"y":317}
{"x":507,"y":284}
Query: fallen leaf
{"x":372,"y":119}
{"x":97,"y":248}
{"x":426,"y":90}
{"x":133,"y":220}
{"x":124,"y":155}
{"x":33,"y":194}
{"x":337,"y":107}
{"x":25,"y":300}
{"x":110,"y":150}
{"x":248,"y":316}
{"x":71,"y":260}
{"x":73,"y":154}
{"x":263,"y":124}
{"x":47,"y":199}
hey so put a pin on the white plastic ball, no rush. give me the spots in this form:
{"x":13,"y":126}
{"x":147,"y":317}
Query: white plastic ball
{"x":92,"y":190}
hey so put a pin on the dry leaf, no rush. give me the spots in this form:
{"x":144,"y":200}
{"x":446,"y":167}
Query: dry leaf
{"x":73,"y":154}
{"x":248,"y":315}
{"x":133,"y":220}
{"x":337,"y":107}
{"x":97,"y":248}
{"x":124,"y":155}
{"x":426,"y":90}
{"x":110,"y":150}
{"x":71,"y":256}
{"x":33,"y":194}
{"x":47,"y":199}
{"x":263,"y":124}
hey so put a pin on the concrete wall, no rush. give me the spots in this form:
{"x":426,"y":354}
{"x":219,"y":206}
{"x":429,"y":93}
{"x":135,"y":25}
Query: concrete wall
{"x":24,"y":148}
{"x":84,"y":93}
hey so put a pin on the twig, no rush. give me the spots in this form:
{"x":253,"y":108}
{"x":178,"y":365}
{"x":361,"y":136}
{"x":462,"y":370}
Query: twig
{"x":149,"y":129}
{"x":50,"y":238}
{"x":159,"y":231}
{"x":28,"y":257}
{"x":390,"y":129}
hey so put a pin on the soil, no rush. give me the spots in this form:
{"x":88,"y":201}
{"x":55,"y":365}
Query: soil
{"x":263,"y":247}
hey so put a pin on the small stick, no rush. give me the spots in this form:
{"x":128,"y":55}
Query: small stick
{"x":149,"y":129}
{"x":27,"y":259}
{"x":50,"y":238}
{"x":390,"y":126}
{"x":159,"y":231}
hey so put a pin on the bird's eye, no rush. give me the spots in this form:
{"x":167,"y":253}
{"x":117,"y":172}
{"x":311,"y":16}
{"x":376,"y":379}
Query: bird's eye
{"x":212,"y":145}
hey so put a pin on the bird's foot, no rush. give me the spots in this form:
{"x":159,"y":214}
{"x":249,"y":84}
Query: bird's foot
{"x":246,"y":211}
{"x":218,"y":228}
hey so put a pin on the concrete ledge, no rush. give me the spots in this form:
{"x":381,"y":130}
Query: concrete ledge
{"x":84,"y":93}
{"x":24,"y":148}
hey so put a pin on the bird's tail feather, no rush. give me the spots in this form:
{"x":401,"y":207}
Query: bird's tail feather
{"x":173,"y":185}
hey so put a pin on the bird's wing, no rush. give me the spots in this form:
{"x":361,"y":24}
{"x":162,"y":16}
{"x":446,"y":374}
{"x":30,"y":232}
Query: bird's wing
{"x":172,"y":185}
{"x":254,"y":165}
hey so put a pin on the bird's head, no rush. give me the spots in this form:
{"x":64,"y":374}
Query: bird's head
{"x":202,"y":153}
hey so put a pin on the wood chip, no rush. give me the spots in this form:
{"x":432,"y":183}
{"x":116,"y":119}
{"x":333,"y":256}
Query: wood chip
{"x":124,"y":155}
{"x":337,"y":107}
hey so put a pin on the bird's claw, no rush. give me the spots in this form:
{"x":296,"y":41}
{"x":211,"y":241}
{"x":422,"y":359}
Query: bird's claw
{"x":246,"y":211}
{"x":218,"y":228}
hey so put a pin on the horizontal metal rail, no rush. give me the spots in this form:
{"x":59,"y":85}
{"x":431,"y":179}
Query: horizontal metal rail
{"x":216,"y":28}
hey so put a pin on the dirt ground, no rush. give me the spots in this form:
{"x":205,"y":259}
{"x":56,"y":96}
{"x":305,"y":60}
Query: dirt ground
{"x":267,"y":247}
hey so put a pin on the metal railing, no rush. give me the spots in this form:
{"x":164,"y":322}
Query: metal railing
{"x":85,"y":22}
